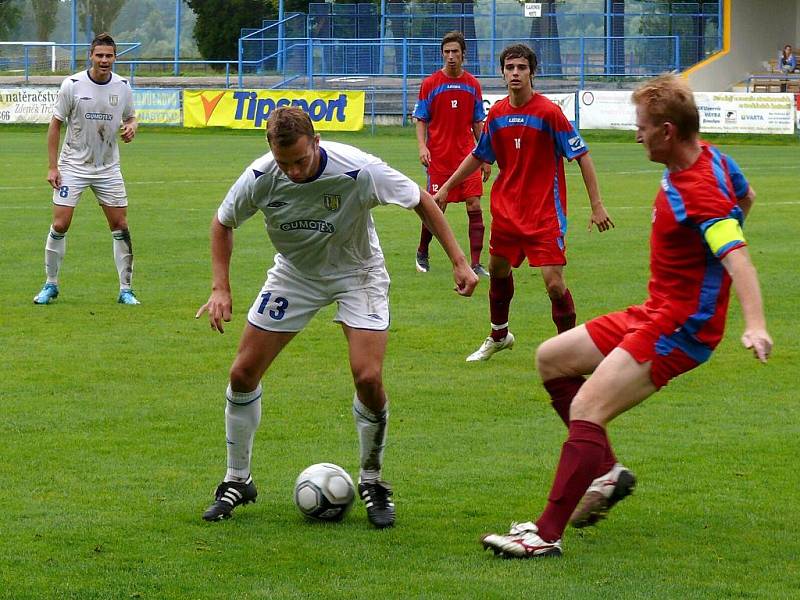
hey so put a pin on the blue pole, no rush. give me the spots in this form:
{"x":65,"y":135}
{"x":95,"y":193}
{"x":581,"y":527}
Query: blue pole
{"x":609,"y":33}
{"x":382,"y":35}
{"x":176,"y":71}
{"x":494,"y":32}
{"x":405,"y":79}
{"x":677,"y":40}
{"x":74,"y":30}
{"x":241,"y":57}
{"x":583,"y":62}
{"x":281,"y":33}
{"x":310,"y":63}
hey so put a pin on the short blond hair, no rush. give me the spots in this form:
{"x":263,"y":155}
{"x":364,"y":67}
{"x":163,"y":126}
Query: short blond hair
{"x":287,"y":124}
{"x":668,"y":98}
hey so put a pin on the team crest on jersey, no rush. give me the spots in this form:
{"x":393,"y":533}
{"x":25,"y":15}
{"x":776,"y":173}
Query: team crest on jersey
{"x":331,"y":201}
{"x":113,"y":99}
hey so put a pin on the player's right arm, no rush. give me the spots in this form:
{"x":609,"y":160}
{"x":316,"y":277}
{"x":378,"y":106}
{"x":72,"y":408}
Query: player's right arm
{"x":238,"y":206}
{"x":422,"y":142}
{"x":220,"y":303}
{"x":745,"y":282}
{"x":53,"y":137}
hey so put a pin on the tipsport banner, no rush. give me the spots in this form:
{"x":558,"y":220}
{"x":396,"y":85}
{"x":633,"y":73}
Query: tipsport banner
{"x":247,"y":109}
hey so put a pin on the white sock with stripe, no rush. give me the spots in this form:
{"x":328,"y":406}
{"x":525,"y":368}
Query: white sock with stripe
{"x":123,"y":257}
{"x":242,"y":416}
{"x":371,"y":428}
{"x":54,"y":250}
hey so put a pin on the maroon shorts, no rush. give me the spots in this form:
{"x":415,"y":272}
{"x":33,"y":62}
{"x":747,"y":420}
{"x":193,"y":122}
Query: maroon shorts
{"x":633,"y":331}
{"x":471,"y":187}
{"x":539,"y":250}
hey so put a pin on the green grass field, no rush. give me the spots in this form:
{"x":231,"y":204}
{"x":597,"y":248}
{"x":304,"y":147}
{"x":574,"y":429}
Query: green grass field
{"x":112,"y":416}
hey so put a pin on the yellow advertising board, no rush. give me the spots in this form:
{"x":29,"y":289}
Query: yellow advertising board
{"x":250,"y":109}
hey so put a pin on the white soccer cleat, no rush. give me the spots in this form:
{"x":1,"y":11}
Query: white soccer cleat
{"x":522,"y":541}
{"x":603,"y":493}
{"x":489,"y":347}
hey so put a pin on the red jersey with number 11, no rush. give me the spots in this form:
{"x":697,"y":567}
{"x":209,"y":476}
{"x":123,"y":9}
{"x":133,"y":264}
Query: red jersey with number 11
{"x":529,"y":143}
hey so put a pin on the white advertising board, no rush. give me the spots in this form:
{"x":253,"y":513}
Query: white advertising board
{"x":606,"y":110}
{"x":746,"y":113}
{"x":35,"y":105}
{"x":565,"y":101}
{"x":720,"y":112}
{"x":27,"y":105}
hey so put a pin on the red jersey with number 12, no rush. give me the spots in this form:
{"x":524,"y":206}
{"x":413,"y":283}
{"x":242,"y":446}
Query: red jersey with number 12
{"x":450,"y":106}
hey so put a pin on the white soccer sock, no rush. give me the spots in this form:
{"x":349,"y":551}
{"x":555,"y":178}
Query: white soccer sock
{"x":242,"y":416}
{"x":54,"y":250}
{"x":123,"y":257}
{"x":371,"y":428}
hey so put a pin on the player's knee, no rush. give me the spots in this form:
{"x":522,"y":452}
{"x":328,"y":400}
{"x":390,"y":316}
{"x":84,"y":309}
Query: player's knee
{"x":61,"y":225}
{"x":368,"y":380}
{"x":547,"y":360}
{"x":556,"y":288}
{"x":243,"y":379}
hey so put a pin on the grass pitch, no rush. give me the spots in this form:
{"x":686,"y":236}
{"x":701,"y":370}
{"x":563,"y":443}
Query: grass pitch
{"x":113,"y":434}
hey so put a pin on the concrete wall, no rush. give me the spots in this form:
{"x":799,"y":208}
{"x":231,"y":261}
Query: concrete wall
{"x":759,"y":29}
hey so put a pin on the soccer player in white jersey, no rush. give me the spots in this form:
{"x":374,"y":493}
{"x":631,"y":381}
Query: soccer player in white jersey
{"x":95,"y":104}
{"x":316,"y":198}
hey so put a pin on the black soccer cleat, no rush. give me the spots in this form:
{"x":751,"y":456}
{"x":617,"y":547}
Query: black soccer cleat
{"x":377,"y":496}
{"x":228,"y":496}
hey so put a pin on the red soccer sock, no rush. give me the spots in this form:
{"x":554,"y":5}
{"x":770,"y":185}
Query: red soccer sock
{"x":501,"y":291}
{"x":563,"y":312}
{"x":582,"y":457}
{"x":476,"y":231}
{"x":425,"y":238}
{"x":562,"y":390}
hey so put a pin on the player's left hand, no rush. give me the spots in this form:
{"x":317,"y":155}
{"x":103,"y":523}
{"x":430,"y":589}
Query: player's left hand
{"x":465,"y":279}
{"x":600,"y":219}
{"x":486,"y":169}
{"x":759,"y":341}
{"x":128,"y":132}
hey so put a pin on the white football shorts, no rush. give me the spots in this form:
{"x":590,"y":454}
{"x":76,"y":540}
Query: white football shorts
{"x":288,"y":301}
{"x":109,"y":190}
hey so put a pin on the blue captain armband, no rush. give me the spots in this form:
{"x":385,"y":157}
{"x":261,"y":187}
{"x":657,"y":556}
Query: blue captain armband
{"x":723,"y":235}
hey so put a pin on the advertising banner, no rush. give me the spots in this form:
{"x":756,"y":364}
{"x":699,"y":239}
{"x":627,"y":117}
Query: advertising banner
{"x":565,"y":101}
{"x":27,"y":105}
{"x":746,"y":113}
{"x":35,"y":105}
{"x":157,"y":107}
{"x":250,"y":109}
{"x":606,"y":110}
{"x":720,"y":112}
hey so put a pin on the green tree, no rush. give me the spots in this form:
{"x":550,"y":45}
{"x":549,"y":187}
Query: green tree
{"x":103,"y":13}
{"x":219,"y":24}
{"x":44,"y":11}
{"x":10,"y":15}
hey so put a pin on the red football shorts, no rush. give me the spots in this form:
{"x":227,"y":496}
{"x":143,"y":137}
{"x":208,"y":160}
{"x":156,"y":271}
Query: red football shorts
{"x":471,"y":187}
{"x":633,"y":331}
{"x":540,"y":251}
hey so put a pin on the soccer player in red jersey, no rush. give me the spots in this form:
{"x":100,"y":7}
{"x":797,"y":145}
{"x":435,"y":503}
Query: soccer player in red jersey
{"x":529,"y":137}
{"x":697,"y":249}
{"x":449,"y":115}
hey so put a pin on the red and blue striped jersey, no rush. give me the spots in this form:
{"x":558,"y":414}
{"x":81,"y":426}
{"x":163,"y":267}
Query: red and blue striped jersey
{"x":689,"y":288}
{"x":450,"y":106}
{"x":529,"y":143}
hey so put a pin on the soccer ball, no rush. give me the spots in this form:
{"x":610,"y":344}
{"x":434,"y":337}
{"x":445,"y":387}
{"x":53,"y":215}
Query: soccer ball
{"x":324,"y":492}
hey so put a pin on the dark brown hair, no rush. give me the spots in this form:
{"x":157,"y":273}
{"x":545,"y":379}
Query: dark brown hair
{"x":519,"y":51}
{"x":103,"y":39}
{"x":287,"y":124}
{"x":454,"y":36}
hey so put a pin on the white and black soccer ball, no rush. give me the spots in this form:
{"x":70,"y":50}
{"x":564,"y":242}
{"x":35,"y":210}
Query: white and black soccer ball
{"x":324,"y":492}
